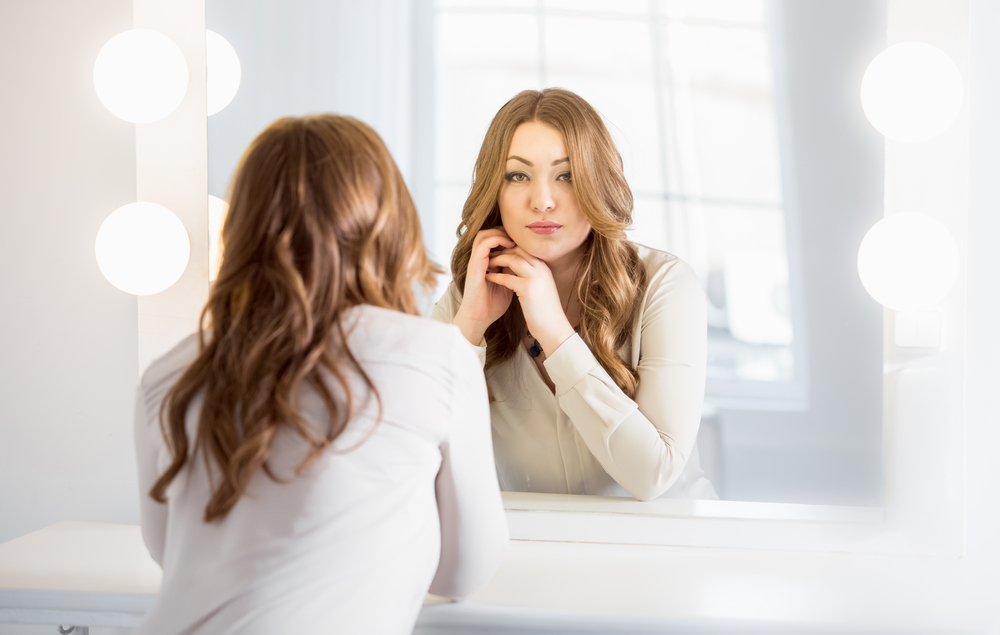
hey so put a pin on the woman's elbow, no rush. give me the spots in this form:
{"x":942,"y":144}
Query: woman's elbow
{"x":646,"y":492}
{"x":154,"y":545}
{"x":646,"y":489}
{"x":472,"y":573}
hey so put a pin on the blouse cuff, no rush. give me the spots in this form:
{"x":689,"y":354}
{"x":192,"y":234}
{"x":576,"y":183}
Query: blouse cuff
{"x":571,"y":362}
{"x":480,"y":350}
{"x":481,"y":353}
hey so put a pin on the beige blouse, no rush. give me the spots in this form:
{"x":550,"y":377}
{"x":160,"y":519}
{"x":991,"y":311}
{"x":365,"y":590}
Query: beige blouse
{"x":589,"y":437}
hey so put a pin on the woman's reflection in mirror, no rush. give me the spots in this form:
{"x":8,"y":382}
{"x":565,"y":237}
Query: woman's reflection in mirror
{"x":593,"y":347}
{"x":318,"y":454}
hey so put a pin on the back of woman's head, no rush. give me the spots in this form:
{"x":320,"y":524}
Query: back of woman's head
{"x":319,"y":221}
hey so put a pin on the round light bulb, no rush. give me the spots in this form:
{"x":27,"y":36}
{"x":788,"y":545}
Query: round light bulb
{"x":223,"y":71}
{"x":912,"y":92}
{"x":141,"y":75}
{"x":908,"y":261}
{"x":217,"y":210}
{"x":142,"y":248}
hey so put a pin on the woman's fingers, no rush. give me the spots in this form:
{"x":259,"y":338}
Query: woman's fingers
{"x":492,"y":238}
{"x":492,"y":242}
{"x":483,"y":302}
{"x":514,"y":283}
{"x":517,"y":251}
{"x":515,"y":262}
{"x":482,"y":248}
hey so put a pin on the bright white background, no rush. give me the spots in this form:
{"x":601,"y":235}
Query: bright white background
{"x":68,"y":356}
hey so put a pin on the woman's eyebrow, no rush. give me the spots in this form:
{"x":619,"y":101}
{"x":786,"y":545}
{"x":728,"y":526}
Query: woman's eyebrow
{"x":531,"y":165}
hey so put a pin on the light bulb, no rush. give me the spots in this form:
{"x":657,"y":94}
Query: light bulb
{"x":912,"y":92}
{"x":141,"y":76}
{"x":908,"y":261}
{"x":217,"y":210}
{"x":142,"y":248}
{"x":223,"y":71}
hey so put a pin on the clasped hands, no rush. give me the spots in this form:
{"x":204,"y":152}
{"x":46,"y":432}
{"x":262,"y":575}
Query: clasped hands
{"x":498,"y":268}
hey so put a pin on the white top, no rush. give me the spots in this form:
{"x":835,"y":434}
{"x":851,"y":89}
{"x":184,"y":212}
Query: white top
{"x":589,"y":437}
{"x":352,"y":544}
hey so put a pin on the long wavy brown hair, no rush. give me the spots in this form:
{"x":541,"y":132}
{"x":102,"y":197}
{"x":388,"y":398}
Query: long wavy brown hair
{"x":319,"y":221}
{"x":612,"y":278}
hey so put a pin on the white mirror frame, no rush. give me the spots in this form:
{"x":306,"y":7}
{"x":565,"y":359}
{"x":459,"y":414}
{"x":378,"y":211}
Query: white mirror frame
{"x":923,"y":419}
{"x":171,"y":157}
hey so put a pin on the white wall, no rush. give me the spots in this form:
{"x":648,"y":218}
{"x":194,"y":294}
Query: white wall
{"x":68,"y":346}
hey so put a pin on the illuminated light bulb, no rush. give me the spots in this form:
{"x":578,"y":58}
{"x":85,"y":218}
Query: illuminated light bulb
{"x":142,"y":248}
{"x":217,"y":210}
{"x":912,"y":92}
{"x":141,"y":76}
{"x":908,"y":261}
{"x":223,"y":71}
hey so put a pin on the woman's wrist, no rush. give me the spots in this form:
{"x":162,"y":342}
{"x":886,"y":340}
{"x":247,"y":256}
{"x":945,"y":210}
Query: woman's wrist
{"x":472,"y":330}
{"x":551,"y":339}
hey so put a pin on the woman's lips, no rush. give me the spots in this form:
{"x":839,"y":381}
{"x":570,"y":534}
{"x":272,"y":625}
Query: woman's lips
{"x":546,"y":227}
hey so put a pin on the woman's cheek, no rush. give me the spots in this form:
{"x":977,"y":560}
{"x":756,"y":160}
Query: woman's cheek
{"x":581,"y":237}
{"x":516,"y":233}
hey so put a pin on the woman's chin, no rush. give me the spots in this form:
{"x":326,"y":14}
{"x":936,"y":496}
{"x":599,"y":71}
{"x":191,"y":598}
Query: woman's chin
{"x":546,"y":247}
{"x":552,"y":252}
{"x":543,"y":250}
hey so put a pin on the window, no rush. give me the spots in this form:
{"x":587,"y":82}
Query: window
{"x":686,"y":88}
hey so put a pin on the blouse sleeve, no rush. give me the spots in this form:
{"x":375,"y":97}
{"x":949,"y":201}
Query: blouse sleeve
{"x":445,"y":310}
{"x":643,"y":443}
{"x":153,"y":515}
{"x":474,"y":533}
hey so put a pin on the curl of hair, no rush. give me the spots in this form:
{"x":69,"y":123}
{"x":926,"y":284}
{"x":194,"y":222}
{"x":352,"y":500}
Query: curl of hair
{"x":611,"y":279}
{"x":320,"y":220}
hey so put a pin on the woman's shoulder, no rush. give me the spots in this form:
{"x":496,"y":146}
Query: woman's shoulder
{"x":447,"y":305}
{"x":663,"y":267}
{"x":163,"y":371}
{"x":395,"y":336}
{"x":411,"y":349}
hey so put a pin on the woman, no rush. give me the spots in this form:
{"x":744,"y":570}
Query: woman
{"x":594,"y":348}
{"x":318,"y":456}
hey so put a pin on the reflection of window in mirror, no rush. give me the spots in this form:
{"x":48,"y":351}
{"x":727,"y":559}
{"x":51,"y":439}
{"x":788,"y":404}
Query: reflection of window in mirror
{"x":687,"y":90}
{"x":730,"y":153}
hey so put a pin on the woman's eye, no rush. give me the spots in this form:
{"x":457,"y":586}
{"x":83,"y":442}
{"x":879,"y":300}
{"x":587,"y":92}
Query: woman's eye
{"x":516,"y":177}
{"x":565,"y":176}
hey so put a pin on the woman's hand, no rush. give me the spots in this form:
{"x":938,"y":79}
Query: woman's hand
{"x":483,"y":302}
{"x":531,"y":279}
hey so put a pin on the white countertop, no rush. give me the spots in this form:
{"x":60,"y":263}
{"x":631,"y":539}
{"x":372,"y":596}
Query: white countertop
{"x":90,"y":573}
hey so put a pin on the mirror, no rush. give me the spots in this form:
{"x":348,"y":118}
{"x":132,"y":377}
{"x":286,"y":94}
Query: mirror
{"x":744,"y":143}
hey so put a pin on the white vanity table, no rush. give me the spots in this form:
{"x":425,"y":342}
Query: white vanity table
{"x":100,"y":574}
{"x":82,"y":573}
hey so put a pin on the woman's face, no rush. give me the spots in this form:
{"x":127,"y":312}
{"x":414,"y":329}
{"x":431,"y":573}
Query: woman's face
{"x":537,"y":203}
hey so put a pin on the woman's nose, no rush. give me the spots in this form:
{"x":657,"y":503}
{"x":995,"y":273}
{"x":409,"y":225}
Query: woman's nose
{"x":541,"y":197}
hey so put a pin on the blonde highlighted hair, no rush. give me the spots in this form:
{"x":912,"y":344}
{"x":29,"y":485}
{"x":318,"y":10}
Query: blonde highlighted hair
{"x":319,"y":221}
{"x":611,"y":279}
